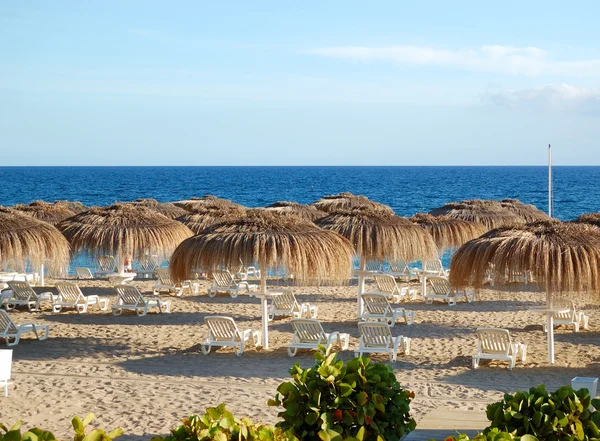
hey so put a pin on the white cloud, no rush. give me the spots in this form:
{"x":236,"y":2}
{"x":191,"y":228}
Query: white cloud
{"x":554,"y":96}
{"x":530,"y":61}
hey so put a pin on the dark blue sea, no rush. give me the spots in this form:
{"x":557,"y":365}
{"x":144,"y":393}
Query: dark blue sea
{"x":406,"y":189}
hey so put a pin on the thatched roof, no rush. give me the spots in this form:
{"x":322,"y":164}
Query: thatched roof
{"x":270,"y":240}
{"x":165,"y":208}
{"x":123,"y":229}
{"x":349,"y":201}
{"x":199,"y":221}
{"x":561,"y":256}
{"x":527,"y":212}
{"x":45,"y":211}
{"x":448,"y":232}
{"x":208,"y":202}
{"x":588,"y":218}
{"x":74,"y":206}
{"x":376,"y":235}
{"x":23,"y":237}
{"x":491,"y":214}
{"x":306,"y":212}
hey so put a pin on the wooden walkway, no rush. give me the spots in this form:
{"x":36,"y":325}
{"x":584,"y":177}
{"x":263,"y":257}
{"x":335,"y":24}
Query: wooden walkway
{"x":440,"y":423}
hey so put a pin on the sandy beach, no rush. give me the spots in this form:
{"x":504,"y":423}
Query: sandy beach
{"x":144,"y":374}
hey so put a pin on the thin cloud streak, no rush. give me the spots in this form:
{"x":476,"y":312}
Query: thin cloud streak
{"x":552,"y":96}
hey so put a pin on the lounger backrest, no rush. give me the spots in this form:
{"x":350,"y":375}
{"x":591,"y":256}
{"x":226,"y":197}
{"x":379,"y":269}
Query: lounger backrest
{"x":7,"y":326}
{"x":222,"y":328}
{"x":375,"y":334}
{"x":400,"y":266}
{"x":308,"y":330}
{"x":22,"y":290}
{"x":386,"y":283}
{"x":83,"y":273}
{"x":130,"y":295}
{"x":223,"y":279}
{"x":494,"y":340}
{"x":434,"y":265}
{"x":164,"y":276}
{"x":376,"y":304}
{"x":373,"y":265}
{"x":285,"y":302}
{"x":562,"y":303}
{"x":107,"y":263}
{"x":148,"y":263}
{"x":440,"y":285}
{"x":68,"y":292}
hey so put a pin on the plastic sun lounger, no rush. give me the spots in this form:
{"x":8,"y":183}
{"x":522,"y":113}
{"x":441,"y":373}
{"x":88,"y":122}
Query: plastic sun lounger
{"x":244,"y":272}
{"x":435,"y":268}
{"x":107,"y":265}
{"x":309,"y":334}
{"x":401,"y":270}
{"x":386,"y":284}
{"x":287,"y":305}
{"x":223,"y":332}
{"x":82,"y":273}
{"x":223,"y":281}
{"x":9,"y":330}
{"x":70,"y":296}
{"x":377,"y":337}
{"x":377,"y":308}
{"x":23,"y":294}
{"x":570,"y":318}
{"x":165,"y":283}
{"x":496,"y":344}
{"x":131,"y":298}
{"x":443,"y":291}
{"x":149,"y":266}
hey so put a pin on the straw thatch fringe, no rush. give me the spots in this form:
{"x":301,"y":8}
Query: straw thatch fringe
{"x":199,"y":221}
{"x":491,"y":214}
{"x":448,"y":232}
{"x":562,"y":257}
{"x":349,"y":201}
{"x":271,"y":241}
{"x":165,"y":208}
{"x":588,"y":218}
{"x":306,"y":212}
{"x":376,"y":235}
{"x":527,"y":212}
{"x":23,"y":237}
{"x":124,"y":229}
{"x":51,"y":213}
{"x":208,"y":202}
{"x":75,"y":206}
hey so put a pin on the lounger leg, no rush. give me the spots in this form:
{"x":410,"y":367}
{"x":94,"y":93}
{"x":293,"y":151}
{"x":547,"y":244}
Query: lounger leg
{"x":240,"y":351}
{"x":292,"y":351}
{"x":475,"y":362}
{"x":585,"y":320}
{"x":523,"y":352}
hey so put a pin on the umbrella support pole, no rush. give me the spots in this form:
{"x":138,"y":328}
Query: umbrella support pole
{"x":121,"y":265}
{"x":42,"y":281}
{"x":424,"y":284}
{"x":361,"y":287}
{"x":550,"y":325}
{"x":264,"y":306}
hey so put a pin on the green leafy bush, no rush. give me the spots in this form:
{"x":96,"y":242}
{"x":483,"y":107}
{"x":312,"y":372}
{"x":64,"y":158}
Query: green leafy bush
{"x":563,"y":415}
{"x":35,"y":434}
{"x":491,"y":435}
{"x":333,"y":401}
{"x":219,"y":424}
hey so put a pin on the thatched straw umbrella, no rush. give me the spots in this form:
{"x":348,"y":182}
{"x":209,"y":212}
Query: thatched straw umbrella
{"x":349,"y":201}
{"x":527,"y":212}
{"x":271,"y":240}
{"x":588,"y":218}
{"x":491,"y":214}
{"x":208,"y":202}
{"x":123,"y":229}
{"x":74,"y":206}
{"x":45,"y":211}
{"x":377,"y":235}
{"x":563,"y":257}
{"x":448,"y":232}
{"x":165,"y":208}
{"x":306,"y":212}
{"x":23,"y":237}
{"x":201,"y":220}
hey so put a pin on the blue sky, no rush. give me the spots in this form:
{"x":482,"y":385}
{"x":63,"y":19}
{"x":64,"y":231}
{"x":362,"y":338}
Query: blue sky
{"x":299,"y":83}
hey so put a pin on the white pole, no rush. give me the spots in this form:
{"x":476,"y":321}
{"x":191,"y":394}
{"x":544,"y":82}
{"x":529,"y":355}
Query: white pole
{"x":42,"y":281}
{"x":361,"y":287}
{"x":121,"y":265}
{"x":550,"y":325}
{"x":550,"y":195}
{"x":264,"y":306}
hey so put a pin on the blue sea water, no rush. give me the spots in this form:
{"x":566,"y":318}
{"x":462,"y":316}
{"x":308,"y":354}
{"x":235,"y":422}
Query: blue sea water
{"x":406,"y":189}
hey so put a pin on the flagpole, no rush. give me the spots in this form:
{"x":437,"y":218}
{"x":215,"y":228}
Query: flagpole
{"x":550,"y":190}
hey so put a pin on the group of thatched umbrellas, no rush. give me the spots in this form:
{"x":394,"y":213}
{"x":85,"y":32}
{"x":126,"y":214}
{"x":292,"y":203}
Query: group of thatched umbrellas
{"x":314,"y":242}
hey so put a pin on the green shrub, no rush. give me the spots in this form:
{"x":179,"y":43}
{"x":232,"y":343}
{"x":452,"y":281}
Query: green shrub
{"x":491,"y":435}
{"x":563,"y":415}
{"x":220,"y":425}
{"x":332,"y":401}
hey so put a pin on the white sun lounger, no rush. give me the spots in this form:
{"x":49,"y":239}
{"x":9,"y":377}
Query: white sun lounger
{"x":386,"y":284}
{"x":400,"y":270}
{"x":5,"y":368}
{"x":70,"y":296}
{"x":375,"y":266}
{"x":222,"y":331}
{"x":496,"y":344}
{"x":377,"y":337}
{"x":9,"y":330}
{"x":223,"y":281}
{"x":569,"y":318}
{"x":287,"y":305}
{"x":434,"y":267}
{"x":148,"y":266}
{"x":309,"y":334}
{"x":24,"y":295}
{"x":106,"y":265}
{"x":441,"y":290}
{"x":131,"y":298}
{"x":165,"y":283}
{"x":83,"y":273}
{"x":377,"y":308}
{"x":244,"y":272}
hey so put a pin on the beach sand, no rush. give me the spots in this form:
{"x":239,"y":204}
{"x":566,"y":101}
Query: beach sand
{"x":144,"y":374}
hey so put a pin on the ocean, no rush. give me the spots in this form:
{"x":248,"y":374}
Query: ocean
{"x":406,"y":189}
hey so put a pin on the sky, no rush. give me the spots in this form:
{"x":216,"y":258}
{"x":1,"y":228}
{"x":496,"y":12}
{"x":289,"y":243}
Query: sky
{"x":299,"y":83}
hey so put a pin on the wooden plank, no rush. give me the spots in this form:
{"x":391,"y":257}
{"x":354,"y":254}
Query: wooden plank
{"x":441,"y":423}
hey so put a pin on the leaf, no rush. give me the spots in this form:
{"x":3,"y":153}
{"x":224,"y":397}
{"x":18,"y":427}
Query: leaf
{"x":12,"y":435}
{"x":528,"y":438}
{"x":361,"y":398}
{"x":360,"y":435}
{"x":115,"y":433}
{"x":29,"y":436}
{"x":88,"y":419}
{"x":94,"y":435}
{"x":77,"y":425}
{"x":329,"y":435}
